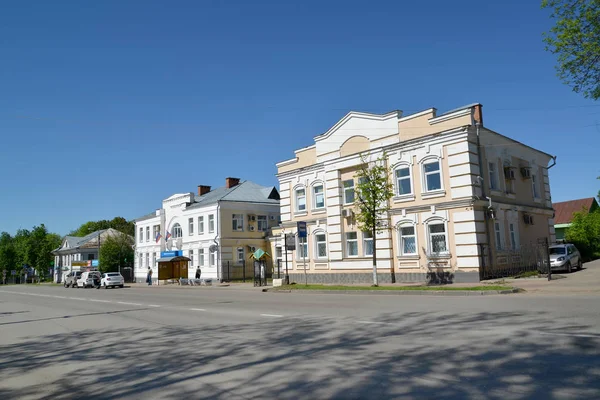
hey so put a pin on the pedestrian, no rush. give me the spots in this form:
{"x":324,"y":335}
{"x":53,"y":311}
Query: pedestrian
{"x":198,"y":272}
{"x":149,"y":278}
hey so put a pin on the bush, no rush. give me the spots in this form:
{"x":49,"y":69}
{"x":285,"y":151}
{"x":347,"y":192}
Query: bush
{"x":584,"y":233}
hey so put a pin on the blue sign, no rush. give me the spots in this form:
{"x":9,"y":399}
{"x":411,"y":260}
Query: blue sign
{"x":174,"y":253}
{"x":302,"y":229}
{"x":95,"y":263}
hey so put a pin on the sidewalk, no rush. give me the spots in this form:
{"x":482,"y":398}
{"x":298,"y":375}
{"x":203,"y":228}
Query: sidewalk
{"x":215,"y":285}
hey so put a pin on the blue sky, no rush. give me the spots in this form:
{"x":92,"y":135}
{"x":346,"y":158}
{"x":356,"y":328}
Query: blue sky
{"x":108,"y":107}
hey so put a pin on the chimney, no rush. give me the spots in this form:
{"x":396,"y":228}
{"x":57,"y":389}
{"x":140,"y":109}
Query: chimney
{"x":202,"y":190}
{"x":231,"y":182}
{"x":478,"y":114}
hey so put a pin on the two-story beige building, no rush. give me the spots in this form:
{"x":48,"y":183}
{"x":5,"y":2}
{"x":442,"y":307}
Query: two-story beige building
{"x":466,"y":199}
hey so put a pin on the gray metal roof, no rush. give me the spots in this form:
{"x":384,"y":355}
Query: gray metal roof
{"x":77,"y":241}
{"x":147,"y":216}
{"x":245,"y":191}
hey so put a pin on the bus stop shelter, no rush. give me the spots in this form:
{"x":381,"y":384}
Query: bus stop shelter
{"x":173,"y":267}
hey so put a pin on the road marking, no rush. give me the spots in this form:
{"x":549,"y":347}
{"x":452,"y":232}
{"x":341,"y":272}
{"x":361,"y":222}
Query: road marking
{"x":129,"y":304}
{"x":153,"y":305}
{"x":582,"y":335}
{"x":197,"y":309}
{"x":372,"y":322}
{"x":271,"y":315}
{"x":59,"y":297}
{"x":76,"y":298}
{"x":100,"y":301}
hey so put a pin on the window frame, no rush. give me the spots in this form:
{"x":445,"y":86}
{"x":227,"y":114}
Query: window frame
{"x":212,"y":258}
{"x":348,"y":241}
{"x":535,"y":190}
{"x":513,"y":230}
{"x":201,"y":225}
{"x":191,"y":226}
{"x":320,"y":242}
{"x":365,"y":240}
{"x":425,"y":174}
{"x":176,"y":228}
{"x":397,"y":185}
{"x":347,"y":189}
{"x":201,"y":257}
{"x":315,"y":195}
{"x":141,"y":235}
{"x":429,"y":235}
{"x":498,"y":237}
{"x":211,"y":223}
{"x":147,"y":234}
{"x":297,"y":198}
{"x":265,"y":220}
{"x":493,"y":176}
{"x":302,"y":243}
{"x":237,"y":222}
{"x":407,"y":224}
{"x":240,"y":250}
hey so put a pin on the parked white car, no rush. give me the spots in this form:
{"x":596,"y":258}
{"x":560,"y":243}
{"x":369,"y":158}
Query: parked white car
{"x":87,"y":279}
{"x":565,"y":257}
{"x":112,"y":279}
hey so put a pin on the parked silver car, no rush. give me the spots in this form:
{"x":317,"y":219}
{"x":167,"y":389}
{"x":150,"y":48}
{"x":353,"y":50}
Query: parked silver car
{"x":565,"y":257}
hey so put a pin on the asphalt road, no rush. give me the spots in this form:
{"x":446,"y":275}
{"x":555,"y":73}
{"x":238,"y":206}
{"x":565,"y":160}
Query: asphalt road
{"x":234,"y":343}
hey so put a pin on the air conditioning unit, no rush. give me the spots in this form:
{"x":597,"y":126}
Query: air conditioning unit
{"x":347,"y":213}
{"x":526,"y":173}
{"x":528,"y":219}
{"x":252,"y":217}
{"x":252,"y":229}
{"x":509,"y":173}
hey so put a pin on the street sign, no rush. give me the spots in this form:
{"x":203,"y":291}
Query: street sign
{"x":290,"y":242}
{"x":95,"y":263}
{"x":302,"y":229}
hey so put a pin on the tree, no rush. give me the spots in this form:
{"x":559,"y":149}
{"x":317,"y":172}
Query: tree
{"x":575,"y":39}
{"x":116,"y":252}
{"x":373,"y":193}
{"x":584,"y":233}
{"x":22,"y":247}
{"x":8,"y":255}
{"x":118,"y":223}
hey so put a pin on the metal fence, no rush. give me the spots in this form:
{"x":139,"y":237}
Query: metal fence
{"x":529,"y":257}
{"x":246,"y":271}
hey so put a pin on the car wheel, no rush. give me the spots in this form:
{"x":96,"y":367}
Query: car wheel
{"x":569,"y":268}
{"x":580,"y":265}
{"x":65,"y":284}
{"x":121,"y":286}
{"x":105,"y":286}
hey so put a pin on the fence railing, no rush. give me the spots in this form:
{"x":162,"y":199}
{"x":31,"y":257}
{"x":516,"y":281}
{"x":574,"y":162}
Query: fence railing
{"x":529,"y":257}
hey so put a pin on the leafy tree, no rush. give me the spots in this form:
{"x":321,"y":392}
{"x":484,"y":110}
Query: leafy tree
{"x":373,"y":193}
{"x":8,"y":255}
{"x":22,"y":246}
{"x":118,"y":223}
{"x":575,"y":39}
{"x":584,"y":233}
{"x":116,"y":252}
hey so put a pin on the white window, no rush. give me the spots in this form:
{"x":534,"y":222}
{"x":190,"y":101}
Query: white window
{"x":201,"y":257}
{"x":498,"y":235}
{"x":147,"y":234}
{"x":403,"y":181}
{"x":408,"y":240}
{"x":147,"y":259}
{"x":368,"y":243}
{"x":318,"y":197}
{"x":153,"y":259}
{"x":534,"y":187}
{"x":191,"y":258}
{"x":492,"y":170}
{"x":302,"y":248}
{"x":300,"y":199}
{"x":238,"y":222}
{"x":213,"y":258}
{"x":514,"y":236}
{"x":177,"y":231}
{"x":211,"y":223}
{"x":278,"y":252}
{"x":191,"y":225}
{"x":321,"y":245}
{"x":200,"y":225}
{"x":141,"y":235}
{"x":263,"y":225}
{"x":240,"y":254}
{"x":351,"y":244}
{"x":432,"y":176}
{"x":155,"y":230}
{"x":348,"y":191}
{"x":438,"y":239}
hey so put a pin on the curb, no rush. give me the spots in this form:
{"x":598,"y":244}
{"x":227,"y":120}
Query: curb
{"x":403,"y":292}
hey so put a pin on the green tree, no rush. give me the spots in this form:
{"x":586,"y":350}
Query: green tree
{"x":118,"y":223}
{"x":373,"y":193}
{"x":116,"y":252}
{"x":584,"y":233}
{"x":575,"y":39}
{"x":22,"y":247}
{"x":8,"y":255}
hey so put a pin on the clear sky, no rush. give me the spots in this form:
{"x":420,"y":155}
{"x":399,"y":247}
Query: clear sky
{"x":108,"y":107}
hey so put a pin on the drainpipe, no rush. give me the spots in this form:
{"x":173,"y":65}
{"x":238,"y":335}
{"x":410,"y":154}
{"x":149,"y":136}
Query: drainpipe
{"x":483,"y":195}
{"x":217,"y":243}
{"x":547,"y":168}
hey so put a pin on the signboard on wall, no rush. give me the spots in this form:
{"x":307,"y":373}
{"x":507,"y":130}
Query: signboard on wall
{"x":173,"y":253}
{"x":290,"y":242}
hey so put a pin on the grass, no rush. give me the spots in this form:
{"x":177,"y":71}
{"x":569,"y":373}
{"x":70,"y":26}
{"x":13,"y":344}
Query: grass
{"x":527,"y":274}
{"x":432,"y":288}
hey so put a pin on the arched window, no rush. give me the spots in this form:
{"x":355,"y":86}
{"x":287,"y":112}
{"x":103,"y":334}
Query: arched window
{"x":300,"y":198}
{"x":177,"y":232}
{"x":437,"y":237}
{"x":403,"y":180}
{"x":318,"y":195}
{"x":432,"y":174}
{"x":407,"y":238}
{"x":320,"y":238}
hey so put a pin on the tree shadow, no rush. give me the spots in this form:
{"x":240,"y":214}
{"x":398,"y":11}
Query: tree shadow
{"x":495,"y":355}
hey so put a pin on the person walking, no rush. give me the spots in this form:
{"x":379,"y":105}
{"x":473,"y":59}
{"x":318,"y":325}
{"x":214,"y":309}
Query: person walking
{"x":198,"y":273}
{"x":149,"y":278}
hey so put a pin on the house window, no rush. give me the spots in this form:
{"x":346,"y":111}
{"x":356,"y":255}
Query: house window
{"x":302,"y":247}
{"x":191,"y":225}
{"x":408,"y":240}
{"x":155,"y":230}
{"x":498,"y":235}
{"x":403,"y":183}
{"x":147,"y":234}
{"x":534,"y":187}
{"x":432,"y":176}
{"x":509,"y":179}
{"x":368,"y":243}
{"x":153,"y":259}
{"x":278,"y":252}
{"x":438,"y":241}
{"x":240,"y":254}
{"x":493,"y":175}
{"x":321,"y":245}
{"x":200,"y":225}
{"x":300,"y":200}
{"x":213,"y":258}
{"x":191,"y":258}
{"x":148,"y":259}
{"x":211,"y":223}
{"x":351,"y":244}
{"x":201,"y":257}
{"x":318,"y":196}
{"x":238,"y":222}
{"x":514,"y":236}
{"x":348,"y":191}
{"x":263,"y":225}
{"x":177,"y":231}
{"x":141,"y":235}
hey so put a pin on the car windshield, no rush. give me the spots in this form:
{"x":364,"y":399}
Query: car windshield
{"x":558,"y":250}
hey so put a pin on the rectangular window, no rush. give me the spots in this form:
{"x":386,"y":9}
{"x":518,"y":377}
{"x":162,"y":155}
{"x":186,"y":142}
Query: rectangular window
{"x":514,"y":241}
{"x":211,"y":223}
{"x":191,"y":258}
{"x":240,"y":254}
{"x":437,"y":238}
{"x":302,"y":249}
{"x":300,"y":200}
{"x":141,"y":235}
{"x":318,"y":196}
{"x":238,"y":222}
{"x":493,"y":176}
{"x":147,"y":234}
{"x":433,"y":176}
{"x":351,"y":244}
{"x":191,"y":225}
{"x":403,"y":185}
{"x":213,"y":258}
{"x":534,"y":187}
{"x":155,"y":230}
{"x":408,"y":240}
{"x":262,"y":222}
{"x":148,"y":259}
{"x":368,"y":243}
{"x":201,"y":257}
{"x":348,"y":191}
{"x":200,"y":225}
{"x":321,"y":245}
{"x":498,"y":234}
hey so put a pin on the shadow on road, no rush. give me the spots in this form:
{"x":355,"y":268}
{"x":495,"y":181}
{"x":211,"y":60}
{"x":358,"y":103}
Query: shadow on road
{"x":412,"y":355}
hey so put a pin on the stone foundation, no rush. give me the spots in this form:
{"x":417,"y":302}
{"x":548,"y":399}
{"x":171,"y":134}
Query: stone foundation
{"x":401,"y":277}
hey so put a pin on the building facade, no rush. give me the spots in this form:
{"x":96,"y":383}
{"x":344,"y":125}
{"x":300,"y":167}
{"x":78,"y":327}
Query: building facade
{"x":214,"y":230}
{"x":464,"y":197}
